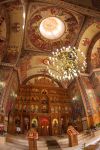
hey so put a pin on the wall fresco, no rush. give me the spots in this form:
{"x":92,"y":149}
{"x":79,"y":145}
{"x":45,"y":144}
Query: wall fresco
{"x":12,"y":93}
{"x":15,"y":12}
{"x":39,"y":80}
{"x":95,"y":55}
{"x":4,"y":78}
{"x":32,"y":65}
{"x":87,"y":34}
{"x":3,"y":31}
{"x":91,"y":98}
{"x":76,"y":99}
{"x":95,"y":79}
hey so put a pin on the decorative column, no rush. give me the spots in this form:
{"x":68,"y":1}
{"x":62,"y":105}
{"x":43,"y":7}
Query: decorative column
{"x":95,"y":80}
{"x":9,"y":93}
{"x":85,"y":102}
{"x":89,"y":100}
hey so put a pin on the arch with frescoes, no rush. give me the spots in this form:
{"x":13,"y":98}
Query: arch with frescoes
{"x":93,"y":54}
{"x":87,"y":45}
{"x":89,"y":38}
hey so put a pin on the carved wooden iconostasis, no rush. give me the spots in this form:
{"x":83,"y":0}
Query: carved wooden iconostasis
{"x":45,"y":104}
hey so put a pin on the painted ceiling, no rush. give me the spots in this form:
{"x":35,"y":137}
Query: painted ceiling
{"x":33,"y":38}
{"x":24,"y":48}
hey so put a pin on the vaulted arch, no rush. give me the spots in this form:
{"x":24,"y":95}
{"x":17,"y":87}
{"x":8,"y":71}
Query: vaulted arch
{"x":88,"y":38}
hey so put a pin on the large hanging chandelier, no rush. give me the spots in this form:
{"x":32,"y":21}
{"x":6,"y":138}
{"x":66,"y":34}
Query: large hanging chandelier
{"x":66,"y":63}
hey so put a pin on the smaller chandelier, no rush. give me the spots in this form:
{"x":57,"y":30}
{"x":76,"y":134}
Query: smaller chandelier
{"x":66,"y":63}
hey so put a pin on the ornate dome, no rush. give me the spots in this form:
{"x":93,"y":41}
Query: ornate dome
{"x":52,"y":28}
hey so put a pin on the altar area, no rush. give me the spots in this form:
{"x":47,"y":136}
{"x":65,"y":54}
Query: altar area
{"x":57,"y":142}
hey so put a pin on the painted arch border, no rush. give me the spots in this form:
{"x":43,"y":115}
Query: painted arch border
{"x":89,"y":34}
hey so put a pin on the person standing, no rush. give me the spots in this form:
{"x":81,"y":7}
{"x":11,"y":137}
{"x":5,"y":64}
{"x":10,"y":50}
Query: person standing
{"x":32,"y":136}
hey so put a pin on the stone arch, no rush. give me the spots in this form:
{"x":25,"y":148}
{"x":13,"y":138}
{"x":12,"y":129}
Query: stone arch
{"x":87,"y":38}
{"x":31,"y":66}
{"x":41,"y":75}
{"x":90,"y":50}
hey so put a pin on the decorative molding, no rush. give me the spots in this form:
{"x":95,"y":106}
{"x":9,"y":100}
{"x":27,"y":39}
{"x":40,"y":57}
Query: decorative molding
{"x":79,"y":9}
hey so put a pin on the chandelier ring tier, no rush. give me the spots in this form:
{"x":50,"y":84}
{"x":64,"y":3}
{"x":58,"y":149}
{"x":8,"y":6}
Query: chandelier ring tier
{"x":67,"y":62}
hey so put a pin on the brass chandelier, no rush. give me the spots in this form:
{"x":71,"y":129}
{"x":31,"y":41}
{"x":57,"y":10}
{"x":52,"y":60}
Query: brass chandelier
{"x":66,"y":63}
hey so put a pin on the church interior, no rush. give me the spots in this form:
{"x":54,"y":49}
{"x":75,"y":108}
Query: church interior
{"x":49,"y":72}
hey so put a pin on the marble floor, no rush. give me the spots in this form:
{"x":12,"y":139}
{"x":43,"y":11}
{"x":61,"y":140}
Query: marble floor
{"x":91,"y":142}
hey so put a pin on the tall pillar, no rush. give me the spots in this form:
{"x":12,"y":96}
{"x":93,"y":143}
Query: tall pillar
{"x":87,"y":105}
{"x":95,"y":80}
{"x":8,"y":91}
{"x":89,"y":100}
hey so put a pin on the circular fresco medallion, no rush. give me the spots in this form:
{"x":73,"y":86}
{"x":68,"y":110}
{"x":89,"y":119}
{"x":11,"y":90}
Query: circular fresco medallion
{"x":52,"y":28}
{"x":49,"y":28}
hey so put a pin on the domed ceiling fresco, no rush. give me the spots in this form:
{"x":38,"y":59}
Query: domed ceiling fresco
{"x":34,"y":40}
